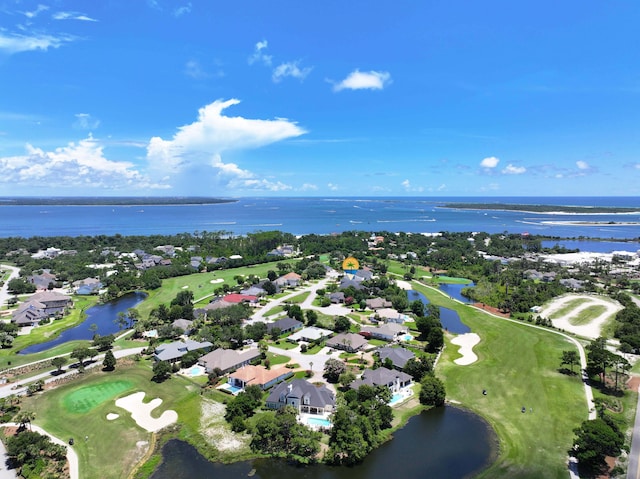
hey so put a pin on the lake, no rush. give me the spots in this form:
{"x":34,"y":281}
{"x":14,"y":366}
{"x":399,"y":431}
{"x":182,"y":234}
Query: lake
{"x":449,"y":318}
{"x":102,"y":315}
{"x":443,"y":443}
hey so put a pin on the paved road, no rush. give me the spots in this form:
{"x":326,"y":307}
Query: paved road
{"x":4,"y":290}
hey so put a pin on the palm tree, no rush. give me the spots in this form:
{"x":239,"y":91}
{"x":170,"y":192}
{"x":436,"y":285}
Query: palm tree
{"x":26,"y":417}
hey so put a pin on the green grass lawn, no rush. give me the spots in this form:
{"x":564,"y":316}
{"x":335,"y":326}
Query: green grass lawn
{"x":299,"y":298}
{"x":587,"y":315}
{"x":284,"y":344}
{"x":518,"y":366}
{"x":277,"y":358}
{"x":79,"y":409}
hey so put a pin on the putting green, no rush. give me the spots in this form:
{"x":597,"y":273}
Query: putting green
{"x":85,"y":399}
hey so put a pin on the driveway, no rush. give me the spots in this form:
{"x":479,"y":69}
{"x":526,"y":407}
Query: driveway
{"x":4,"y":290}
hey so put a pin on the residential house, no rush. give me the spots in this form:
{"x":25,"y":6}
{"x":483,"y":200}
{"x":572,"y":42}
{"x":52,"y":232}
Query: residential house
{"x":228,"y":359}
{"x":386,"y":332}
{"x":253,"y":291}
{"x":337,"y":297}
{"x":364,"y":274}
{"x":377,"y":303}
{"x":43,"y":280}
{"x":394,"y":380}
{"x":184,"y":325}
{"x":389,"y":315}
{"x":285,"y":325}
{"x":398,"y":356}
{"x":289,"y":280}
{"x":304,"y":396}
{"x":345,"y":282}
{"x":172,"y":352}
{"x":87,"y":286}
{"x":571,"y":283}
{"x":236,"y":298}
{"x":350,"y":342}
{"x":258,"y":376}
{"x":309,"y":334}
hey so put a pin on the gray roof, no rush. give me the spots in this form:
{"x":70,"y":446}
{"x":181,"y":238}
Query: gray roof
{"x":380,"y":377}
{"x":398,"y":356}
{"x":352,"y":340}
{"x":183,"y":324}
{"x":226,"y":359}
{"x":177,"y":349}
{"x":285,"y":324}
{"x":319,"y":395}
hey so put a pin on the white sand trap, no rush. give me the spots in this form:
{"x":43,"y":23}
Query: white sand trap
{"x":466,"y":342}
{"x":111,"y":416}
{"x":217,"y":280}
{"x":141,"y":412}
{"x":185,"y":286}
{"x":403,"y":285}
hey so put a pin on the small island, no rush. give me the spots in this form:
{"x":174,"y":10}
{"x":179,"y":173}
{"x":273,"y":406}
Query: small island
{"x":549,"y":209}
{"x":112,"y":201}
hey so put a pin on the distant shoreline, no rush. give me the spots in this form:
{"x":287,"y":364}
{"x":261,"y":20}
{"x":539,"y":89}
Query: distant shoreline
{"x":112,"y":201}
{"x":544,"y":209}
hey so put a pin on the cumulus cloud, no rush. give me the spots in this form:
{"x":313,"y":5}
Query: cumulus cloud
{"x":582,"y":165}
{"x":406,"y":184}
{"x":290,"y":69}
{"x":308,"y":187}
{"x":514,"y":170}
{"x":198,"y":147}
{"x":490,"y":162}
{"x":332,"y":186}
{"x":357,"y":80}
{"x":259,"y":56}
{"x":75,"y":166}
{"x":16,"y":43}
{"x":84,"y":121}
{"x":73,"y":16}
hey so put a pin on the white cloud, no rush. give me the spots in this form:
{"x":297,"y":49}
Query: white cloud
{"x":258,"y":56}
{"x":75,"y":166}
{"x":197,"y":148}
{"x":178,"y":12}
{"x":332,"y":186}
{"x":73,"y":16}
{"x":36,"y":12}
{"x":84,"y":121}
{"x":637,"y":166}
{"x":514,"y":170}
{"x":194,"y":70}
{"x":290,"y":69}
{"x":582,"y":165}
{"x":308,"y":187}
{"x":358,"y":80}
{"x":16,"y":43}
{"x":490,"y":162}
{"x":406,"y":184}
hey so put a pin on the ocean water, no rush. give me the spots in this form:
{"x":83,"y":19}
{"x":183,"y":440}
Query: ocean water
{"x":322,"y":216}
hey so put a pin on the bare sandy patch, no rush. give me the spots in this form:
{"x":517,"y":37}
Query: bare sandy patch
{"x":111,"y":416}
{"x":217,"y":280}
{"x":216,"y":430}
{"x":403,"y":285}
{"x":185,"y":286}
{"x":594,"y":327}
{"x":141,"y":412}
{"x":466,"y":342}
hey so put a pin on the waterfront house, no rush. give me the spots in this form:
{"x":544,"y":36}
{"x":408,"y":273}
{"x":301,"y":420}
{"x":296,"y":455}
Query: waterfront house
{"x":303,"y":396}
{"x":394,"y":380}
{"x":377,"y":303}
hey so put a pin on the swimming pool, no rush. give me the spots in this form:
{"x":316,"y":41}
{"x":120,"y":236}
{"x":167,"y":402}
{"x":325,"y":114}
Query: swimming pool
{"x":407,"y":337}
{"x":396,"y":398}
{"x":318,"y":422}
{"x":196,"y":371}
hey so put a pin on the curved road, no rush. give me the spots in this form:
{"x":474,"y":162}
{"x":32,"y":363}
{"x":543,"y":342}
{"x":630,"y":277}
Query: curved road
{"x":4,"y":290}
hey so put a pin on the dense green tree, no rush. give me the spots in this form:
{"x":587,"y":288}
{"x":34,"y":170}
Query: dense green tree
{"x":432,"y":391}
{"x":161,"y":371}
{"x":20,"y":286}
{"x":102,"y":343}
{"x":595,"y":440}
{"x":81,"y":354}
{"x":333,"y":368}
{"x":341,"y":324}
{"x":58,"y":362}
{"x":109,"y":362}
{"x":570,"y":358}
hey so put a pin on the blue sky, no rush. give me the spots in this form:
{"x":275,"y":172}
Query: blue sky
{"x":332,"y":98}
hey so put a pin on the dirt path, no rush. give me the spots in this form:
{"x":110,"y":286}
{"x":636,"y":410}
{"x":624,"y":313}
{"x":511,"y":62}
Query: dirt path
{"x":591,"y":330}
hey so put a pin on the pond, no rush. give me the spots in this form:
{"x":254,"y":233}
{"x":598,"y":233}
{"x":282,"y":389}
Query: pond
{"x":449,"y":318}
{"x":102,"y":315}
{"x":454,"y":290}
{"x":444,"y":443}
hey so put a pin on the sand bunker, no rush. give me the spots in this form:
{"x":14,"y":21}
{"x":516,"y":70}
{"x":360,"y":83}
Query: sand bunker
{"x":111,"y":416}
{"x":185,"y":286}
{"x":141,"y":412}
{"x":403,"y":285}
{"x":466,"y":343}
{"x":217,"y":280}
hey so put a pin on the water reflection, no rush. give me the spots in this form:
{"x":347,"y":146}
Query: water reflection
{"x":444,"y":443}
